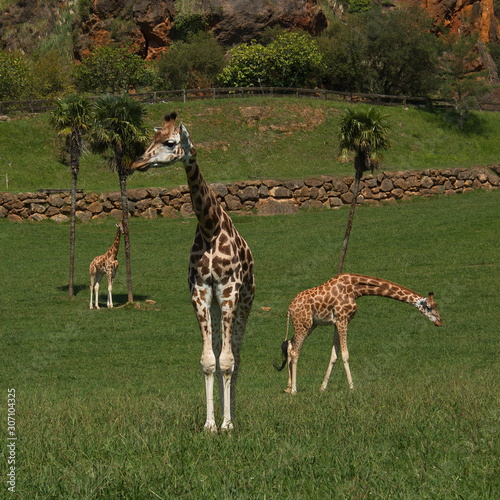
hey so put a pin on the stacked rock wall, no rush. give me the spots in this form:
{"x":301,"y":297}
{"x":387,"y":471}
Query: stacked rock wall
{"x":264,"y":197}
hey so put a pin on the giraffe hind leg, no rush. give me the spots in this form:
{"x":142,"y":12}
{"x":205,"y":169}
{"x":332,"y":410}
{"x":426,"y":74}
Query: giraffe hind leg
{"x":333,"y":359}
{"x":342,"y":332}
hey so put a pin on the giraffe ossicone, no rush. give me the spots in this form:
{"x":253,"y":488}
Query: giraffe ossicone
{"x":105,"y":264}
{"x":334,"y":303}
{"x":220,"y":276}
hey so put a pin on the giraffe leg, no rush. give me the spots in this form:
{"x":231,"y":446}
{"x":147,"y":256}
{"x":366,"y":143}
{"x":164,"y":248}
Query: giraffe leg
{"x":91,"y":290}
{"x":242,"y":313}
{"x":294,"y":347}
{"x":215,"y":318}
{"x":201,"y":298}
{"x":97,"y":283}
{"x":342,"y":332}
{"x":227,"y":362}
{"x":333,"y":359}
{"x":111,"y":277}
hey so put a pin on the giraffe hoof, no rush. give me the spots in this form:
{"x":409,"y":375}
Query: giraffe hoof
{"x":227,"y":427}
{"x":210,"y":427}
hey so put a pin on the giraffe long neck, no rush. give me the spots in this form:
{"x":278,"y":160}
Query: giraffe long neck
{"x":113,"y":249}
{"x":366,"y":285}
{"x":205,"y":205}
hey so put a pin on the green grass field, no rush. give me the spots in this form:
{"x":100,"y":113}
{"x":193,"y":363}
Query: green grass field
{"x":241,"y":139}
{"x":110,"y":404}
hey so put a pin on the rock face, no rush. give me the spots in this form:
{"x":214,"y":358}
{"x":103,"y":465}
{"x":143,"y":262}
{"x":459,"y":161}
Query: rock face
{"x":148,"y":25}
{"x":466,"y":16}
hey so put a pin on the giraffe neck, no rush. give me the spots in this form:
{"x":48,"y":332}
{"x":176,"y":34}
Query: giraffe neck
{"x":366,"y":285}
{"x":113,"y":249}
{"x":205,"y":205}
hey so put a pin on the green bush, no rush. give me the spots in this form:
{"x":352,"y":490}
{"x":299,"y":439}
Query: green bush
{"x":110,"y":69}
{"x":16,"y":77}
{"x":191,"y":64}
{"x":293,"y":59}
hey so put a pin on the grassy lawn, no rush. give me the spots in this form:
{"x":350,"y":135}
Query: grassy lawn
{"x":110,"y":404}
{"x":240,"y":139}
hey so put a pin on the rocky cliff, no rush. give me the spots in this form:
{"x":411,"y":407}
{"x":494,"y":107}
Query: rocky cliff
{"x":149,"y":25}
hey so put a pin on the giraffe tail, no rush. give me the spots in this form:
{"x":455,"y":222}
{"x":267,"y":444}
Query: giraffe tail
{"x":284,"y":345}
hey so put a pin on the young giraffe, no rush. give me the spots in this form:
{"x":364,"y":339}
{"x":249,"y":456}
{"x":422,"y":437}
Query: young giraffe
{"x":220,"y":277}
{"x":334,"y":303}
{"x":105,"y":264}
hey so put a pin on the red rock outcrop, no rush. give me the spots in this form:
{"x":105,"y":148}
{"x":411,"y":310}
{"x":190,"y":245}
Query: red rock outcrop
{"x":148,"y":24}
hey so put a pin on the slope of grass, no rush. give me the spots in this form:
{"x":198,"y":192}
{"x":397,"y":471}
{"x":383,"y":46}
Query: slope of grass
{"x":110,"y":404}
{"x":240,"y":139}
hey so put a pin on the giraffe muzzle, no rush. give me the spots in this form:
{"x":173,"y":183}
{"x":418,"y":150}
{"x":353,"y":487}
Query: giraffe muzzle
{"x":140,"y":164}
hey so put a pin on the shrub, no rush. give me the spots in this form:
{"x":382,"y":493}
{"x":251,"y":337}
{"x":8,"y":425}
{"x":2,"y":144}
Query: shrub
{"x":114,"y":70}
{"x":191,"y":64}
{"x":16,"y":78}
{"x":293,"y":59}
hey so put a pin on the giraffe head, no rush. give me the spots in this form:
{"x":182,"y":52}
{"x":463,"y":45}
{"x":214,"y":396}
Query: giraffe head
{"x":427,"y":306}
{"x":119,"y":225}
{"x":171,"y":143}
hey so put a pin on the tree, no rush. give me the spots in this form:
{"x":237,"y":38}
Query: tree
{"x":118,"y":132}
{"x":364,"y":133}
{"x":460,"y":83}
{"x":343,"y":46}
{"x":193,"y":63}
{"x":402,"y":53}
{"x":71,"y":118}
{"x":110,"y":69}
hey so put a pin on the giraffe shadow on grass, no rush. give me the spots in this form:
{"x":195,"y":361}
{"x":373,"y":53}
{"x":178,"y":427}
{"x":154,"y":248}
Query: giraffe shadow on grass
{"x":120,"y":298}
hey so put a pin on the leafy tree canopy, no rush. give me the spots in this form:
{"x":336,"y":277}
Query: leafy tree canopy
{"x":110,"y":69}
{"x":191,"y":64}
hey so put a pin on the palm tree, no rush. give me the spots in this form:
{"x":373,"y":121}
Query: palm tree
{"x":365,"y":133}
{"x":71,"y":118}
{"x":118,"y":129}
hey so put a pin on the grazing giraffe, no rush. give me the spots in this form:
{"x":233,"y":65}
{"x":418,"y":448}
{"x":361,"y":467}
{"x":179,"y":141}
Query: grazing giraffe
{"x":220,"y":276}
{"x":334,"y":303}
{"x":105,"y":264}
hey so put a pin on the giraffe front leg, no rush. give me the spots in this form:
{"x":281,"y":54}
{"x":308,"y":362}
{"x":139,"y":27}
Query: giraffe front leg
{"x":208,"y":367}
{"x":227,"y":360}
{"x":333,"y":359}
{"x":96,"y":294}
{"x":91,"y":293}
{"x":201,"y":298}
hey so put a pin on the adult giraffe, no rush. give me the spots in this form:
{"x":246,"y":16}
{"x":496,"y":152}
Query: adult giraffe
{"x":334,"y":303}
{"x":221,"y":278}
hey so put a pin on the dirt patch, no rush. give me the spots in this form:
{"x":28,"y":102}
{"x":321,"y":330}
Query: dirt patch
{"x":292,"y":118}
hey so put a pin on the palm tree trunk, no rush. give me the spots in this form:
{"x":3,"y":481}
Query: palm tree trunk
{"x":74,"y":177}
{"x":348,"y":228}
{"x":126,"y":234}
{"x":75,"y":167}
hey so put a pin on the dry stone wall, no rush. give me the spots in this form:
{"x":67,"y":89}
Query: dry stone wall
{"x":263,"y":197}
